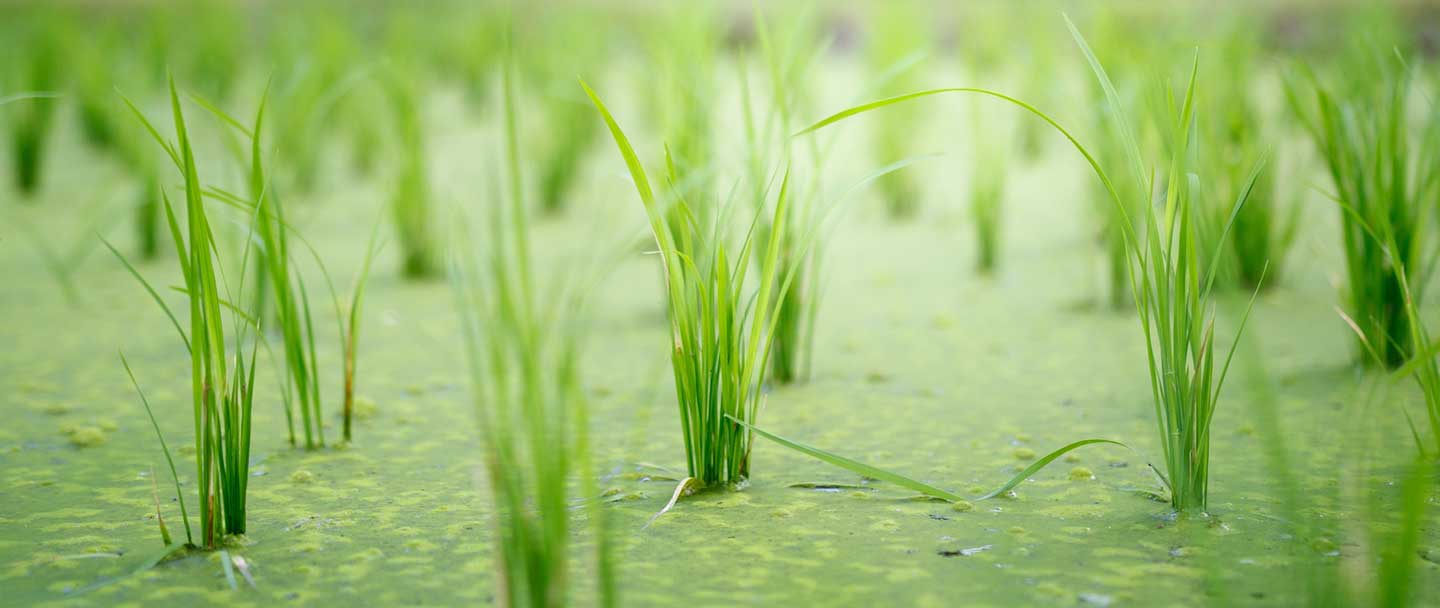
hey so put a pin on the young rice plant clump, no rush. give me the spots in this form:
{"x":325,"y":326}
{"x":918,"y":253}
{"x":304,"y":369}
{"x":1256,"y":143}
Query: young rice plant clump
{"x":721,"y":331}
{"x":1386,"y":174}
{"x":1171,"y":292}
{"x":222,"y":381}
{"x":523,"y":353}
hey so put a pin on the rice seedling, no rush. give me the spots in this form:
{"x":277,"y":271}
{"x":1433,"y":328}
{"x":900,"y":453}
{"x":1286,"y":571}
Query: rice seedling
{"x":1384,"y":171}
{"x":721,"y":331}
{"x":893,"y":51}
{"x":987,"y":193}
{"x":94,"y":89}
{"x":366,"y":136}
{"x":787,"y":59}
{"x":1038,"y":72}
{"x":30,"y":118}
{"x":299,"y":120}
{"x":212,"y":44}
{"x":684,"y":50}
{"x":523,"y":348}
{"x":1114,"y":221}
{"x":222,"y":381}
{"x":320,"y":73}
{"x":1171,"y":294}
{"x":410,"y":205}
{"x":350,"y":328}
{"x":471,"y":46}
{"x":277,"y":268}
{"x":287,"y":288}
{"x":574,"y":130}
{"x":147,"y":217}
{"x":570,"y":122}
{"x":1235,"y":138}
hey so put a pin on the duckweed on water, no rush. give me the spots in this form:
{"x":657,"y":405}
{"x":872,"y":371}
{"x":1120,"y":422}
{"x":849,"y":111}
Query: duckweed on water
{"x":505,"y":435}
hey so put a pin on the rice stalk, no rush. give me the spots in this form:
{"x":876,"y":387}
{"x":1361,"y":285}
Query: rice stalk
{"x":721,"y":330}
{"x":523,"y":348}
{"x":1171,"y":293}
{"x":1386,"y":173}
{"x":222,"y":380}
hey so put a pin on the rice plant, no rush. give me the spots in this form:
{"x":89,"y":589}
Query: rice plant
{"x":349,"y":321}
{"x":470,"y":48}
{"x":299,"y":102}
{"x":222,"y":381}
{"x":987,"y":192}
{"x":523,"y":351}
{"x":896,"y":45}
{"x":1171,"y":294}
{"x":277,"y":268}
{"x":147,"y":216}
{"x":94,"y":88}
{"x":30,"y":119}
{"x":212,"y":43}
{"x":721,"y":330}
{"x":787,"y":58}
{"x":1037,"y":70}
{"x":287,"y":288}
{"x":1237,"y":135}
{"x":1386,"y":174}
{"x":569,"y":121}
{"x":410,"y":205}
{"x":685,"y":50}
{"x":1114,"y":222}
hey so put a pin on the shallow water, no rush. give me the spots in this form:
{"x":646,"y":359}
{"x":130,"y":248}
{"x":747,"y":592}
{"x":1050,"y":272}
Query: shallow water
{"x":921,"y":367}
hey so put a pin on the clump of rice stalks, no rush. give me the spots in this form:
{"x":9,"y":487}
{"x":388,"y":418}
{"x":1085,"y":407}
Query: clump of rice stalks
{"x":29,"y":119}
{"x":1234,"y":139}
{"x":573,"y":48}
{"x":350,"y":328}
{"x":1114,"y":222}
{"x":212,"y":44}
{"x":987,"y":193}
{"x":721,"y":330}
{"x":365,"y":135}
{"x":1036,"y":68}
{"x":319,"y":75}
{"x":410,"y":205}
{"x":470,"y":46}
{"x":1386,"y":175}
{"x":222,"y":381}
{"x":523,"y":352}
{"x":278,"y":270}
{"x":147,"y":216}
{"x":140,"y":163}
{"x":299,"y":117}
{"x":1171,"y":293}
{"x":572,"y":131}
{"x":894,"y":48}
{"x":287,"y":287}
{"x":788,"y":57}
{"x":94,"y":88}
{"x":685,"y":48}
